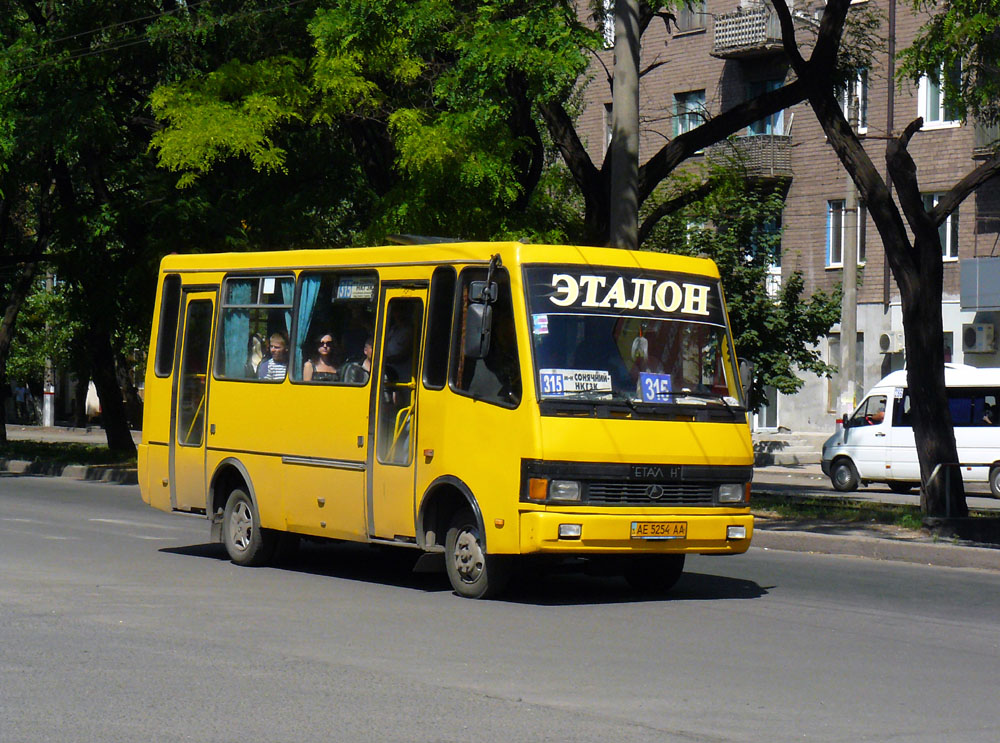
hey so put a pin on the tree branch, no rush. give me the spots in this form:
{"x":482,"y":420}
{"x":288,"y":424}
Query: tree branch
{"x":960,"y":191}
{"x":714,"y":130}
{"x":673,"y":205}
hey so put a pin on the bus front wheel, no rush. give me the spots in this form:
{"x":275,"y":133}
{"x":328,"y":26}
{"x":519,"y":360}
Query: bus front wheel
{"x":473,"y":573}
{"x":246,"y":543}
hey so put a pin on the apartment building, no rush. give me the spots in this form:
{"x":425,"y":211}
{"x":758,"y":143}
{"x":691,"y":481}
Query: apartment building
{"x":723,"y":52}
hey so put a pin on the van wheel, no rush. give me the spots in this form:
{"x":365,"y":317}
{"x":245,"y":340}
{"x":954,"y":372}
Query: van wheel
{"x":473,"y":573}
{"x":844,"y":476}
{"x":995,"y":482}
{"x":246,"y":543}
{"x":898,"y":486}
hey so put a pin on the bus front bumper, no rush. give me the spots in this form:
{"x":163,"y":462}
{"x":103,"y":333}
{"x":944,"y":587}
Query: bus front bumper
{"x":581,"y":533}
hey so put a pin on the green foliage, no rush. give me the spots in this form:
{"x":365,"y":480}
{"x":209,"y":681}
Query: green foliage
{"x":433,"y":100}
{"x":963,"y":33}
{"x":47,"y":327}
{"x":228,"y":112}
{"x":738,"y":226}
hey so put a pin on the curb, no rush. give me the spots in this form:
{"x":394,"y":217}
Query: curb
{"x":96,"y":472}
{"x":940,"y":554}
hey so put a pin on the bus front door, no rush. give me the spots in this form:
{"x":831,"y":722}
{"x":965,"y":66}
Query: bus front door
{"x":189,"y":409}
{"x":391,"y":501}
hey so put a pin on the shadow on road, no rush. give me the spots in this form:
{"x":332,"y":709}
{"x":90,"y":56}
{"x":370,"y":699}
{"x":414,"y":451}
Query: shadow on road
{"x":556,"y":585}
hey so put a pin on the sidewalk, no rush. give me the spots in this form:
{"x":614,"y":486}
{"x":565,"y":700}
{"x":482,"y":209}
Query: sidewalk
{"x":58,"y":434}
{"x":872,"y":541}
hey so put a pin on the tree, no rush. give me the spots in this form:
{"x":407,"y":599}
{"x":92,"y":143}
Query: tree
{"x":80,"y":191}
{"x":737,"y":223}
{"x":961,"y":31}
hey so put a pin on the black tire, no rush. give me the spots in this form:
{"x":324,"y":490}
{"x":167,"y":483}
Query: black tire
{"x":246,"y":543}
{"x":898,"y":486}
{"x":844,"y":476}
{"x":995,"y":482}
{"x":473,"y":573}
{"x":654,"y":573}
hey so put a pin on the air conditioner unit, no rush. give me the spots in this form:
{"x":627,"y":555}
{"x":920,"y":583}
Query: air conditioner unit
{"x":978,"y":338}
{"x":891,"y":342}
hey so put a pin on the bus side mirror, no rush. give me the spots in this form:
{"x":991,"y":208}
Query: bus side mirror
{"x":746,"y":377}
{"x":478,"y":329}
{"x":846,"y":420}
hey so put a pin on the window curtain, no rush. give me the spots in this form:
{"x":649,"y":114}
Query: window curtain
{"x":307,"y":300}
{"x":236,"y":330}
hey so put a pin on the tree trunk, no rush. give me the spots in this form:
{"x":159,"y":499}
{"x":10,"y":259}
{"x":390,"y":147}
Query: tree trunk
{"x":943,"y":493}
{"x":80,"y":386}
{"x":102,"y":369}
{"x":18,"y":293}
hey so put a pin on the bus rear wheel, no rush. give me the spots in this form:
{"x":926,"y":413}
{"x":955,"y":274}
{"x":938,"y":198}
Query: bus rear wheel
{"x":654,"y":573}
{"x":995,"y":482}
{"x":473,"y":573}
{"x":246,"y":543}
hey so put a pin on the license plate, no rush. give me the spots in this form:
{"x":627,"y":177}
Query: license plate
{"x":659,"y":530}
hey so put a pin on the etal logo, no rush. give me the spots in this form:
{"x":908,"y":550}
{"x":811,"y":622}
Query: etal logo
{"x":647,"y":473}
{"x":654,"y":492}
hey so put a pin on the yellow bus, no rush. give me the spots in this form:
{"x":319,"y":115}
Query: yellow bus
{"x":481,"y":400}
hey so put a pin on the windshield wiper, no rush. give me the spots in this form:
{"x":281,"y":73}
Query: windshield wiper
{"x":697,"y":394}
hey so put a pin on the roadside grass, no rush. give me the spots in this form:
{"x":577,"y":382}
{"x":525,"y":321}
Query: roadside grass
{"x":838,"y":510}
{"x":62,"y":452}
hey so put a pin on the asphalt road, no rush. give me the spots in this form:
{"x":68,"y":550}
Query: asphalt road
{"x":118,"y":623}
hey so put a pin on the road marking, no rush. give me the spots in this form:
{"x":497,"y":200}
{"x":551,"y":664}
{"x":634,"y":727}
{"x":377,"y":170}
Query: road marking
{"x":140,"y":524}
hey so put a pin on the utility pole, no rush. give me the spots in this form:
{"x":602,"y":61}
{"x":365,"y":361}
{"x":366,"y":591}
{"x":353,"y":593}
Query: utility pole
{"x":625,"y":128}
{"x":849,"y":310}
{"x":49,"y":381}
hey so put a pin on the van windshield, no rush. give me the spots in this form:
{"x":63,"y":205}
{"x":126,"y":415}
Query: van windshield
{"x":602,"y":334}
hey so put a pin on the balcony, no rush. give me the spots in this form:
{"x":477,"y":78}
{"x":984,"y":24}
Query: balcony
{"x":765,"y":156}
{"x":752,"y":31}
{"x":986,"y":140}
{"x":980,"y":283}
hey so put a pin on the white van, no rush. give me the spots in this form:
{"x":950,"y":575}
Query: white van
{"x":876,"y":444}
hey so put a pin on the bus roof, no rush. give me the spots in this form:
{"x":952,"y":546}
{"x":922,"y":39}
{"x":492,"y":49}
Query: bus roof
{"x":511,"y":253}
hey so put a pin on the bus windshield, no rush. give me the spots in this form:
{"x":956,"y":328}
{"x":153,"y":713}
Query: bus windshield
{"x":645,"y":338}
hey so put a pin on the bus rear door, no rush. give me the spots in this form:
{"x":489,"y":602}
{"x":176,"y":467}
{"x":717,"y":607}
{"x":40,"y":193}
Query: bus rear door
{"x":391,"y":502}
{"x":190,"y":402}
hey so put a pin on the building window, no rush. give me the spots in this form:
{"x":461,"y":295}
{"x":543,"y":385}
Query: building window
{"x":609,"y":24}
{"x":689,"y":111}
{"x":931,"y":96}
{"x":773,"y":124}
{"x":836,"y":223}
{"x":857,"y":88}
{"x":948,"y":231}
{"x":834,"y":234}
{"x":609,"y":126}
{"x":691,"y":17}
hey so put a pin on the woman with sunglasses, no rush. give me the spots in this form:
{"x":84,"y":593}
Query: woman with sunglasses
{"x":322,"y":366}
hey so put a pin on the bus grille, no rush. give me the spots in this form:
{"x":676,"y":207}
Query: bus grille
{"x":651,"y":494}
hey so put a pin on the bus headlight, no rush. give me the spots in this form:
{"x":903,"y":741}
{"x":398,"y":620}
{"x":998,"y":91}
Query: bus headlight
{"x":732,"y":492}
{"x":564,"y":490}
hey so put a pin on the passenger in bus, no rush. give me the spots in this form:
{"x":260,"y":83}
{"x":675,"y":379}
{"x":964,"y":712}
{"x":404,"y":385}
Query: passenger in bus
{"x":992,"y":415}
{"x":276,"y":366}
{"x":323,"y":365}
{"x":357,"y":371}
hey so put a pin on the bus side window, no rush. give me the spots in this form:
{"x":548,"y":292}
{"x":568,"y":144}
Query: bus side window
{"x":335,"y":307}
{"x":255,"y":309}
{"x":496,"y":378}
{"x":440,"y":308}
{"x":166,"y":336}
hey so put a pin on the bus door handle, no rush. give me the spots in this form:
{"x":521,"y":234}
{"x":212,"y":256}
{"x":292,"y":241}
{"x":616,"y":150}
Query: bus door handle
{"x":880,"y":434}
